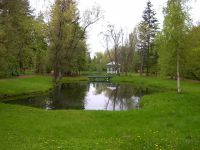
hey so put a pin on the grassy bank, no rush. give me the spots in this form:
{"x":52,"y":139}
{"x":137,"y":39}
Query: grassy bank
{"x":159,"y":83}
{"x":28,"y":85}
{"x":24,"y":85}
{"x":167,"y":121}
{"x":74,"y":79}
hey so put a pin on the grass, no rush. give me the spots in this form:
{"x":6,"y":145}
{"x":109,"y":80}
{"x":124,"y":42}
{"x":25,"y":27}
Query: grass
{"x":24,"y":85}
{"x":160,"y":83}
{"x":167,"y":120}
{"x":89,"y":73}
{"x":74,"y":79}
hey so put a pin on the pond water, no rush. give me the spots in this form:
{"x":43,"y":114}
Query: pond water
{"x":87,"y":96}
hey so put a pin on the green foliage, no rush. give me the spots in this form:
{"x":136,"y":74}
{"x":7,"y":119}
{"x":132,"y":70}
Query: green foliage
{"x":193,"y":50}
{"x":193,"y":66}
{"x":67,"y":41}
{"x":171,"y":39}
{"x":99,"y":62}
{"x":127,"y":52}
{"x":20,"y":37}
{"x":39,"y":45}
{"x":147,"y":31}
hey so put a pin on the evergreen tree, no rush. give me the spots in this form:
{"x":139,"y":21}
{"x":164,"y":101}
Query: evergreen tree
{"x":16,"y":25}
{"x":147,"y":32}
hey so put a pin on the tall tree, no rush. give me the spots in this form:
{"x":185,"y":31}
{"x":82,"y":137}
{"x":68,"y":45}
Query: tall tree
{"x":193,"y":53}
{"x":142,"y":45}
{"x":115,"y":36}
{"x":63,"y":22}
{"x":16,"y":23}
{"x":127,"y":52}
{"x":40,"y":44}
{"x":174,"y":32}
{"x":67,"y":34}
{"x":147,"y":32}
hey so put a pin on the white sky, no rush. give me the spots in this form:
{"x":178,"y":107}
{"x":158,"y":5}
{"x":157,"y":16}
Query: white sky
{"x":122,"y":13}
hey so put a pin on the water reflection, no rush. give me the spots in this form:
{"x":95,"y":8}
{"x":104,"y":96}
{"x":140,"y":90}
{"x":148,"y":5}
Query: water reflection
{"x":87,"y":96}
{"x":113,"y":97}
{"x":69,"y":96}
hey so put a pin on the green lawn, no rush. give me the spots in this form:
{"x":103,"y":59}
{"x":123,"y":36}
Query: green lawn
{"x":24,"y":85}
{"x":167,"y":120}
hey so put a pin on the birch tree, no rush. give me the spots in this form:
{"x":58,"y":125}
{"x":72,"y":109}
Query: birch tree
{"x":174,"y":31}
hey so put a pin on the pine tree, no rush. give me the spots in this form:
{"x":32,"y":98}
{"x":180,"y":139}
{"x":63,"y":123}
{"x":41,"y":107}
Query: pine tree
{"x":147,"y":32}
{"x":16,"y":24}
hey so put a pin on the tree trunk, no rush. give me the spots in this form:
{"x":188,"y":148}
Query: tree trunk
{"x":20,"y":61}
{"x":57,"y":75}
{"x":57,"y":58}
{"x":116,"y":62}
{"x":178,"y":73}
{"x":115,"y":98}
{"x":126,"y":73}
{"x":147,"y":62}
{"x":141,"y":63}
{"x":148,"y":51}
{"x":126,"y":69}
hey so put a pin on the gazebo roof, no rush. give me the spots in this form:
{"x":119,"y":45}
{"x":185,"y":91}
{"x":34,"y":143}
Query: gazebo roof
{"x":112,"y":63}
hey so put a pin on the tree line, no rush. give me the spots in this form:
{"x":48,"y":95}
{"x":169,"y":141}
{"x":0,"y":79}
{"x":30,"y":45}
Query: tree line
{"x":170,"y":51}
{"x":28,"y":43}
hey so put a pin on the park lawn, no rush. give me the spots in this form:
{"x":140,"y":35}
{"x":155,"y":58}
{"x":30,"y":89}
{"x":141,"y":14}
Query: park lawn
{"x":31,"y":84}
{"x":25,"y":85}
{"x":167,"y":120}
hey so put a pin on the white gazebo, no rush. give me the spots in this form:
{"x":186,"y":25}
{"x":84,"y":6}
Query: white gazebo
{"x":111,"y":68}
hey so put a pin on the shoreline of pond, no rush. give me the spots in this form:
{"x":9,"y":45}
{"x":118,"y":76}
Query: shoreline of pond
{"x":48,"y":85}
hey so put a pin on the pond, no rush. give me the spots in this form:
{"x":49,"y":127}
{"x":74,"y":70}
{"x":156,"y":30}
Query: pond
{"x":87,"y":96}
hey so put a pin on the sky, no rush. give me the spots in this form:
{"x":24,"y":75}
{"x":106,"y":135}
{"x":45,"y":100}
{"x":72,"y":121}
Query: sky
{"x":125,"y":14}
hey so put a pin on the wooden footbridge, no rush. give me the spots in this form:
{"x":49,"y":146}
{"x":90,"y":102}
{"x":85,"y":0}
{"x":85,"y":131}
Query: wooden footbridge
{"x":100,"y":78}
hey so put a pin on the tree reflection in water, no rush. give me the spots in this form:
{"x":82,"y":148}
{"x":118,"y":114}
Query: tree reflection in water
{"x":87,"y":96}
{"x":69,"y":96}
{"x":118,"y":97}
